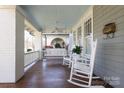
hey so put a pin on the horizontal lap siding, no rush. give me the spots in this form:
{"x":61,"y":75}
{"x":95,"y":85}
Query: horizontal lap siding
{"x":109,"y":60}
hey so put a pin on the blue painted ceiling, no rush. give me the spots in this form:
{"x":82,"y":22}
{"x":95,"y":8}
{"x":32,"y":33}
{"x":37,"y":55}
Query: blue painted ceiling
{"x":54,"y":15}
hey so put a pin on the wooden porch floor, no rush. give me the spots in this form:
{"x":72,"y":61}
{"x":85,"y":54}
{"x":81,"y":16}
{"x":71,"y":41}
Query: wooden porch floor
{"x":49,"y":74}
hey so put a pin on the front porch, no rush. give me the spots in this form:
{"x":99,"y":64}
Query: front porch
{"x":23,"y":44}
{"x":48,"y":74}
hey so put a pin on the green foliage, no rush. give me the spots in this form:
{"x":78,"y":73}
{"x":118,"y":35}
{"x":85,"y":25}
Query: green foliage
{"x":77,"y":50}
{"x":28,"y":50}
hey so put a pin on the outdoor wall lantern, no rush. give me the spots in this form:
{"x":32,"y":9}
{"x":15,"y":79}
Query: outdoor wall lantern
{"x":109,"y":30}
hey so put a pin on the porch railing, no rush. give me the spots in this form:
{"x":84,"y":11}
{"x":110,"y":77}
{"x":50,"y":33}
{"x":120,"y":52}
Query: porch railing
{"x":30,"y":57}
{"x":55,"y":52}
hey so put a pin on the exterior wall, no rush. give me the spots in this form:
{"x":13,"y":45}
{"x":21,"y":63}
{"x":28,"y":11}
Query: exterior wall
{"x":19,"y":45}
{"x":80,"y":23}
{"x":7,"y":46}
{"x":88,"y":14}
{"x":75,"y":29}
{"x":12,"y":44}
{"x":109,"y":62}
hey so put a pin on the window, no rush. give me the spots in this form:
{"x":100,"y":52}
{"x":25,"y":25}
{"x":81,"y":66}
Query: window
{"x":87,"y":34}
{"x":29,"y":42}
{"x":87,"y":27}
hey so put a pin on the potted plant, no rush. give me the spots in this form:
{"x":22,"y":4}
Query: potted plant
{"x":77,"y":51}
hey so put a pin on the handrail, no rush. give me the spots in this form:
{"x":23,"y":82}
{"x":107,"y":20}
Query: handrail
{"x":30,"y":52}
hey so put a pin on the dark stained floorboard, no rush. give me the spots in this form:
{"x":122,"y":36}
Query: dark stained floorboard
{"x":49,"y":74}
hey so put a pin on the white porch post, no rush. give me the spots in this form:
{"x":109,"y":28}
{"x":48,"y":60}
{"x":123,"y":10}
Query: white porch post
{"x":11,"y":44}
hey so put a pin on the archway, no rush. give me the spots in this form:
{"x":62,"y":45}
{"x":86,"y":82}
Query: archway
{"x":58,"y":43}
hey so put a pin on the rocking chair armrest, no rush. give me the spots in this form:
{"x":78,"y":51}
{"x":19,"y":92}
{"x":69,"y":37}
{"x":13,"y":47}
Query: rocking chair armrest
{"x":86,"y":64}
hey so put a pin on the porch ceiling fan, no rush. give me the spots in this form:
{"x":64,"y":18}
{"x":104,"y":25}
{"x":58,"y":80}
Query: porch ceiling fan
{"x":58,"y":28}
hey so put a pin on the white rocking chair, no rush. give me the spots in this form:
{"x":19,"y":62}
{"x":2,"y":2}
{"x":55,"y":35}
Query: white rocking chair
{"x":67,"y":60}
{"x":82,"y":73}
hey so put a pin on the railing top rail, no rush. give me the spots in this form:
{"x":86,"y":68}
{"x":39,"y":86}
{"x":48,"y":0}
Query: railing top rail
{"x":31,"y":52}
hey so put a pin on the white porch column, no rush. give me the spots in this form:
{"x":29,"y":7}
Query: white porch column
{"x":11,"y":44}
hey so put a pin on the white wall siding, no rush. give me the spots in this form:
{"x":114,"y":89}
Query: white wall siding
{"x":7,"y":46}
{"x":110,"y":53}
{"x":19,"y":70}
